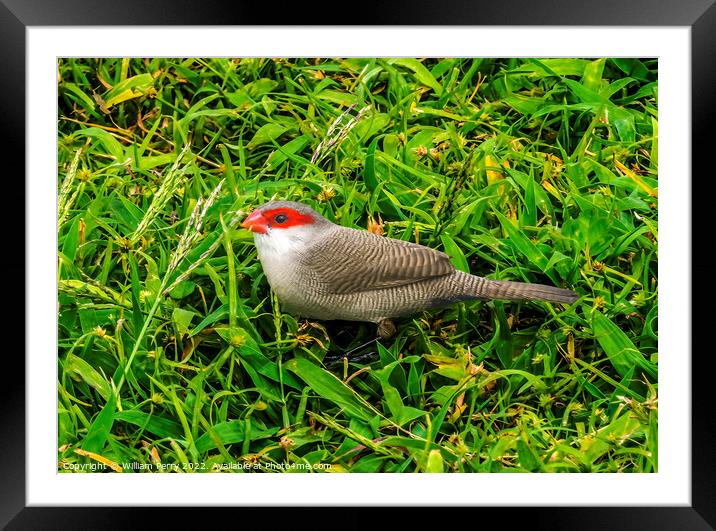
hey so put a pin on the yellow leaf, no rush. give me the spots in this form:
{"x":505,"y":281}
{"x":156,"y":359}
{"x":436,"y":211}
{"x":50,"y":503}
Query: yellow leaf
{"x":634,"y":177}
{"x":96,"y":457}
{"x":492,"y":175}
{"x":551,"y":190}
{"x":133,"y":87}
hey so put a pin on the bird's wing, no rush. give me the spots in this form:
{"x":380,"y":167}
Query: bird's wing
{"x":350,"y":260}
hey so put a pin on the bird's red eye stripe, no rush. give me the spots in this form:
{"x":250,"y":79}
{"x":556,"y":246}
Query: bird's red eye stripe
{"x":283,"y":218}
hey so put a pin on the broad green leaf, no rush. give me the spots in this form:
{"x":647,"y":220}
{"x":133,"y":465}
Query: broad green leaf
{"x":125,"y":212}
{"x":261,"y":86}
{"x":371,"y":125}
{"x":183,"y":289}
{"x":69,"y":246}
{"x":449,"y":367}
{"x":401,"y":413}
{"x":457,"y":257}
{"x":435,"y":462}
{"x":444,"y":394}
{"x":528,"y":215}
{"x":154,"y":161}
{"x":614,"y":434}
{"x":284,"y":152}
{"x":616,"y":86}
{"x":133,"y":87}
{"x":155,"y":423}
{"x":422,"y":74}
{"x":392,"y":398}
{"x":592,"y":79}
{"x":527,"y":457}
{"x":632,"y":67}
{"x":266,"y":134}
{"x":592,"y":230}
{"x":181,"y":127}
{"x":525,"y":104}
{"x":391,"y":144}
{"x":79,"y":368}
{"x":522,"y":243}
{"x":230,"y":432}
{"x":622,"y":353}
{"x":111,"y":145}
{"x":338,"y":97}
{"x":331,"y":388}
{"x":369,"y":464}
{"x":585,"y":94}
{"x":555,"y":67}
{"x":214,"y":317}
{"x":91,"y":318}
{"x":255,"y":360}
{"x":623,"y":121}
{"x":99,"y":430}
{"x":654,"y":158}
{"x":417,"y":444}
{"x":88,"y":102}
{"x":182,"y":320}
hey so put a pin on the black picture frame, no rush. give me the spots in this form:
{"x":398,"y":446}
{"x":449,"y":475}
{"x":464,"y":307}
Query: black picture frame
{"x":17,"y":15}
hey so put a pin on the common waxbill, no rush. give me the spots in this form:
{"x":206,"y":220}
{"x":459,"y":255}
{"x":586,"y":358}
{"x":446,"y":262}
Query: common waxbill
{"x":324,"y":271}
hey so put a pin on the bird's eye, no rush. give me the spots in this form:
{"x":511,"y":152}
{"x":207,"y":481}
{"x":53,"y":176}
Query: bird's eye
{"x":281,"y":218}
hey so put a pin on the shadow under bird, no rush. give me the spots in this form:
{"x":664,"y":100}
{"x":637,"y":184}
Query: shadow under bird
{"x":320,"y":270}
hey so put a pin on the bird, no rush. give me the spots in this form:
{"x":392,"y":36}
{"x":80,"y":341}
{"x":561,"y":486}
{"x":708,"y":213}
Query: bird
{"x":324,"y":271}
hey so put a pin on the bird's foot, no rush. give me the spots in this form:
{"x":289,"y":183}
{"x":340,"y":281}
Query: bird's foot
{"x":351,"y":356}
{"x":386,"y":329}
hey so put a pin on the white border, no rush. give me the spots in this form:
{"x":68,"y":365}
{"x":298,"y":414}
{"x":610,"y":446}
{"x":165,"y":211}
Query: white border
{"x":671,"y":486}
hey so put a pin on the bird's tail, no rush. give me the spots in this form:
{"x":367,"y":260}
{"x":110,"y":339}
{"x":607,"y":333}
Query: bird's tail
{"x":521,"y":291}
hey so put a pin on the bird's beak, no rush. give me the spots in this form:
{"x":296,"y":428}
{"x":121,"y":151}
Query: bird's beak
{"x":255,"y":222}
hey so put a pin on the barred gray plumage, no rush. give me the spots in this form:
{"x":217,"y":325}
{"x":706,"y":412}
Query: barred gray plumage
{"x":321,"y":270}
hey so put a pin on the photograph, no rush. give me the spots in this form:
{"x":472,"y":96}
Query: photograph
{"x":388,"y":265}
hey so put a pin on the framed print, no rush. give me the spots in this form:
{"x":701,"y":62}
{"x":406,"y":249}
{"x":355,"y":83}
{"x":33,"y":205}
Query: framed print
{"x":326,"y":266}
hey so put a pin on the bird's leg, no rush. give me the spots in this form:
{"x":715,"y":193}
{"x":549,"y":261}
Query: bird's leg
{"x":386,"y":329}
{"x":350,"y":353}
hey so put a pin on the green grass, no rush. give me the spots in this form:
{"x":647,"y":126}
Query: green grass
{"x":173,"y":350}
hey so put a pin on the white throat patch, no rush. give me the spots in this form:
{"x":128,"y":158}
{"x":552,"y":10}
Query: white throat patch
{"x":282,"y":243}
